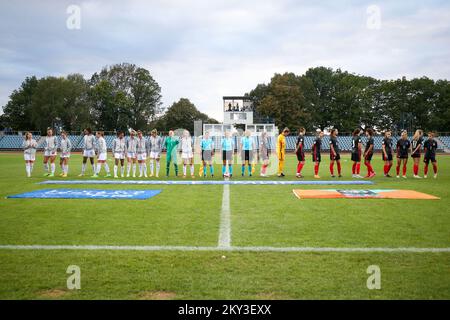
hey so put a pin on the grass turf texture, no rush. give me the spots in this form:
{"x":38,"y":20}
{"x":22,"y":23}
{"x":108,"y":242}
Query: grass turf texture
{"x":190,"y":216}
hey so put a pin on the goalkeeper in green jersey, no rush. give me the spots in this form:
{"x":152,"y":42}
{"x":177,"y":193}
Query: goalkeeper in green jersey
{"x":171,"y":144}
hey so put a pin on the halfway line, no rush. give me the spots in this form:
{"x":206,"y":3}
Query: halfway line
{"x":225,"y":219}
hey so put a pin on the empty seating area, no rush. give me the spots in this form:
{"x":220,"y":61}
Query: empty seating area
{"x":445,"y":140}
{"x":14,"y":142}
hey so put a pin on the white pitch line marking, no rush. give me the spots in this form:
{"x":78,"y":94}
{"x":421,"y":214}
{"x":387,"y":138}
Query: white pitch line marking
{"x":225,"y":220}
{"x":229,"y":248}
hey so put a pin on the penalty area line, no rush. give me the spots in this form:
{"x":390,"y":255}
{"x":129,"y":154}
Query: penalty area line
{"x":229,"y":248}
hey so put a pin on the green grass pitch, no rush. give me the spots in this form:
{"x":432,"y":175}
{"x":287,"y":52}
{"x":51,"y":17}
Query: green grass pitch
{"x":261,"y":216}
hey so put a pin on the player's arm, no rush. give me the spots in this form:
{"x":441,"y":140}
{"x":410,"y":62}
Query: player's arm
{"x":280,"y":152}
{"x":417,"y":148}
{"x":333,"y":152}
{"x":113,"y":148}
{"x":383,"y":148}
{"x":314,"y":151}
{"x":368,"y":151}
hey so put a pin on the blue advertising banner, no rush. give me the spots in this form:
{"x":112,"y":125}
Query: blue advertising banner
{"x":87,"y":194}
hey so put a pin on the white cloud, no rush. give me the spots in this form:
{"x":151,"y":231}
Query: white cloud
{"x":203,"y":49}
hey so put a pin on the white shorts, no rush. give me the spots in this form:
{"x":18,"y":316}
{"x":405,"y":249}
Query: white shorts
{"x":102,"y":157}
{"x":50,"y":153}
{"x":89,"y":153}
{"x":155,"y":155}
{"x":187,"y":155}
{"x":119,"y":156}
{"x":131,"y":155}
{"x":65,"y":155}
{"x":29,"y":157}
{"x":142,"y":156}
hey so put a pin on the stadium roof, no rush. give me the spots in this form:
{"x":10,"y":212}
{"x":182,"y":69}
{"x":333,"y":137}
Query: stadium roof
{"x":236,"y":98}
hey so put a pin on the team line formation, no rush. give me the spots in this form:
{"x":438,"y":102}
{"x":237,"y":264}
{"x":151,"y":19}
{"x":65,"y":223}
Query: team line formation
{"x":136,"y":149}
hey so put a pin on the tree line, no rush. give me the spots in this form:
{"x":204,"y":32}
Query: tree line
{"x":125,"y":96}
{"x":324,"y":98}
{"x":118,"y":97}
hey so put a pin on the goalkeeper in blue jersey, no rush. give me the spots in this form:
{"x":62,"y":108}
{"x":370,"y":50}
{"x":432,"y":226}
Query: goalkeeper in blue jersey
{"x":207,"y":147}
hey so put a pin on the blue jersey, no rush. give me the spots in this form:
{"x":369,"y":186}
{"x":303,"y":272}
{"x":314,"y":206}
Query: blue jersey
{"x":247,"y":143}
{"x":206,"y":144}
{"x":227,"y":144}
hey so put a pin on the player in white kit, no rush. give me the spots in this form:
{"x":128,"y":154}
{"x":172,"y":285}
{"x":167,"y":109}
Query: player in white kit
{"x":29,"y":146}
{"x":154,"y":149}
{"x":187,"y":153}
{"x":50,"y":151}
{"x":65,"y":146}
{"x":102,"y":155}
{"x":119,"y":150}
{"x":141,"y":153}
{"x":131,"y":153}
{"x":88,"y":150}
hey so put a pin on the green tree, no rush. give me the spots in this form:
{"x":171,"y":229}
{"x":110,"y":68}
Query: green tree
{"x":283,"y":99}
{"x":129,"y":93}
{"x":17,"y":112}
{"x":181,"y":115}
{"x":75,"y":115}
{"x":440,"y":113}
{"x":47,"y":102}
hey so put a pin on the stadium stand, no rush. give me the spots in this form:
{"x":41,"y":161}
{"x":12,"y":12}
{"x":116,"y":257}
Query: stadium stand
{"x":14,"y":142}
{"x":445,"y":140}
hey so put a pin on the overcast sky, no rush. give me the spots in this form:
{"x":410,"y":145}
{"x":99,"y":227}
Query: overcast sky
{"x":204,"y":49}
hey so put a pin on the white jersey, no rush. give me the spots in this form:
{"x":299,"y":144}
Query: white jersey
{"x":65,"y":145}
{"x":29,"y":147}
{"x":155,"y":144}
{"x":101,"y":143}
{"x":89,"y":142}
{"x":141,"y":146}
{"x":131,"y":145}
{"x":186,"y":145}
{"x":50,"y":144}
{"x":119,"y":145}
